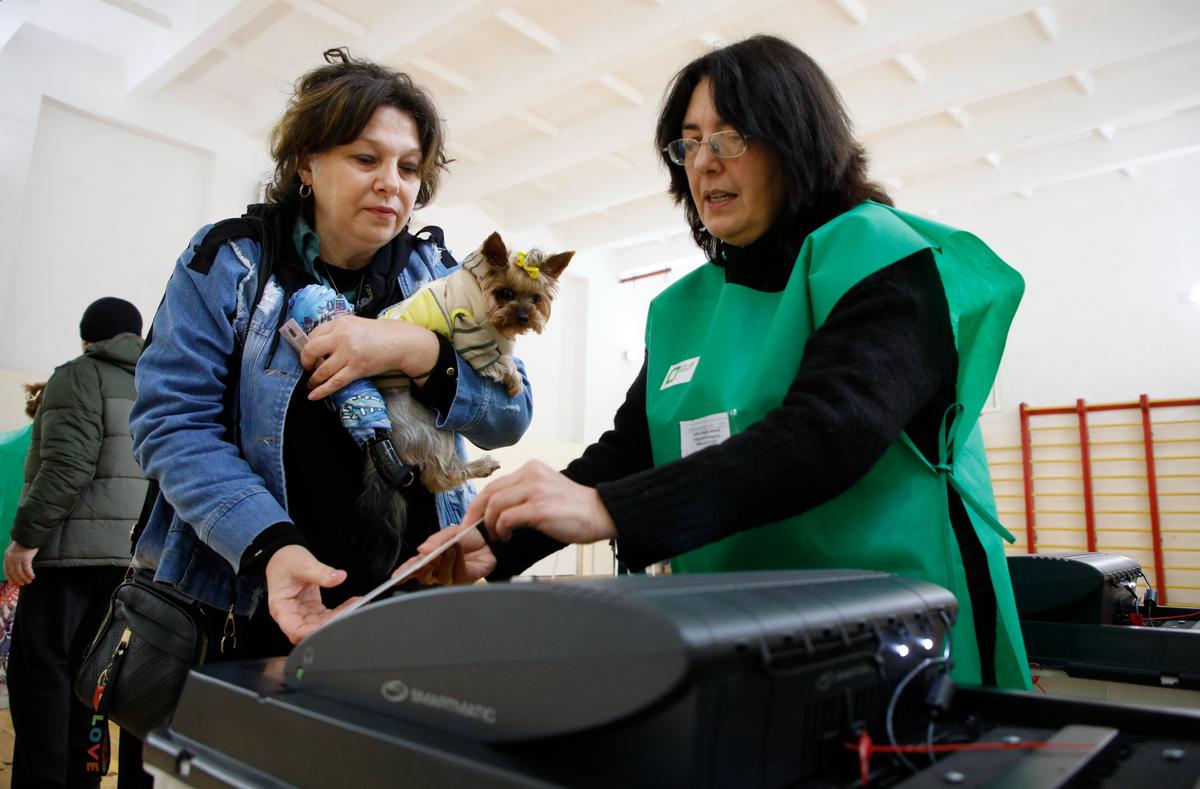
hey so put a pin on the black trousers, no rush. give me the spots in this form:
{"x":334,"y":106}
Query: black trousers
{"x":56,"y":738}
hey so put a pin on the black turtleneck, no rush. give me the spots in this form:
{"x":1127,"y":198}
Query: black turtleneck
{"x":766,"y":263}
{"x":883,"y":362}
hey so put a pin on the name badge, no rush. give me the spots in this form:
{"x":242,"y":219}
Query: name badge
{"x":707,"y":431}
{"x":680,"y":373}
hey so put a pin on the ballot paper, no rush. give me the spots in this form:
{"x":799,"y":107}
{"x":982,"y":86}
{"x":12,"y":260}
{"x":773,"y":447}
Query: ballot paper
{"x":416,"y":568}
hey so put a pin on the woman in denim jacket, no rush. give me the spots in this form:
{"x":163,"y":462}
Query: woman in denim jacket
{"x":259,"y":480}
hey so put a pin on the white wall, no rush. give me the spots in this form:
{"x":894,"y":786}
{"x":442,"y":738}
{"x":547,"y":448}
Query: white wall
{"x":90,"y":206}
{"x":106,"y":212}
{"x":1106,"y":262}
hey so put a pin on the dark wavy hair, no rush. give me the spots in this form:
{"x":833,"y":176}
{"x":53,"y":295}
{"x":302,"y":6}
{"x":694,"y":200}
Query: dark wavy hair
{"x":778,"y":97}
{"x":332,"y":104}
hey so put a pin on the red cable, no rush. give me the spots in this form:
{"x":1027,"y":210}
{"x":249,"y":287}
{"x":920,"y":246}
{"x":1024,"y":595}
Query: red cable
{"x":866,"y":749}
{"x":1037,"y":680}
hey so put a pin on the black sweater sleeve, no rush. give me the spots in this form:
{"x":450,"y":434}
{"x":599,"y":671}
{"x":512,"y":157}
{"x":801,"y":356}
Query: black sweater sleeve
{"x":881,"y":362}
{"x":873,"y":367}
{"x":620,"y":451}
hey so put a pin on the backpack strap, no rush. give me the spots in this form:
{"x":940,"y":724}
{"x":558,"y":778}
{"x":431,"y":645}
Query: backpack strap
{"x":204,"y":254}
{"x":435,"y":235}
{"x":250,"y":225}
{"x":438,"y":238}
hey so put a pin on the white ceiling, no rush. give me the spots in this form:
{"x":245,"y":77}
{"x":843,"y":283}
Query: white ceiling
{"x":551,"y":104}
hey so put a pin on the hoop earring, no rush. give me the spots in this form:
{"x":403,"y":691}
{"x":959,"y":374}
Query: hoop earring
{"x":304,"y":193}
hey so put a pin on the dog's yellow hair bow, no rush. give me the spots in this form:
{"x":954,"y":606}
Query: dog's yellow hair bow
{"x":533,"y":271}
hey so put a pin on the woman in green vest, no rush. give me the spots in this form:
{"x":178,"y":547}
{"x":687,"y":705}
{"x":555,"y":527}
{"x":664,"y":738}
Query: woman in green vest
{"x":810,"y":396}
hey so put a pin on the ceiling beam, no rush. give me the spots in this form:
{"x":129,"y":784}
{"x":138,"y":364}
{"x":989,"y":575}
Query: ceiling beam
{"x":891,"y":32}
{"x":1047,"y":23}
{"x":1087,"y":156}
{"x":648,"y":219}
{"x":909,"y":64}
{"x":255,"y":58}
{"x":208,"y":24}
{"x":1073,"y":197}
{"x":332,"y":17}
{"x":897,"y":28}
{"x":603,"y":44}
{"x":442,"y":72}
{"x":854,"y":10}
{"x":622,"y":89}
{"x":647,"y":180}
{"x":58,"y":62}
{"x":598,"y":133}
{"x":401,"y":34}
{"x":1085,"y":82}
{"x":641,"y":177}
{"x":536,"y":122}
{"x":1102,"y":32}
{"x":528,"y":28}
{"x":1162,"y":82}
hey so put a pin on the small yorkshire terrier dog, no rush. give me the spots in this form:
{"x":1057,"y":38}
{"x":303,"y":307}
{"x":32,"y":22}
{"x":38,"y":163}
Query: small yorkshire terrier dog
{"x":495,"y":296}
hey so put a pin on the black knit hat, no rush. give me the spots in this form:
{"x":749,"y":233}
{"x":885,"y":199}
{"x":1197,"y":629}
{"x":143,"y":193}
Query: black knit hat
{"x":108,"y":317}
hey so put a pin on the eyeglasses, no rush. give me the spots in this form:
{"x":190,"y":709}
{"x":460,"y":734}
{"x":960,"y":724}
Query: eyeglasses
{"x":728,"y":144}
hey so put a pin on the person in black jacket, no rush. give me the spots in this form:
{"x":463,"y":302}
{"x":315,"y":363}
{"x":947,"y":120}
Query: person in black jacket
{"x":70,"y":546}
{"x":808,"y":413}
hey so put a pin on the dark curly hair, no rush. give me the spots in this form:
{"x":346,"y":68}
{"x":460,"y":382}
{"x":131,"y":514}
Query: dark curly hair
{"x":778,"y":97}
{"x":332,"y":104}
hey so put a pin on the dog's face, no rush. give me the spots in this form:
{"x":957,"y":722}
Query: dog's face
{"x":519,"y":286}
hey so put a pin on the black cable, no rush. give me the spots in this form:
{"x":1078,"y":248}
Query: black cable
{"x":1149,"y":599}
{"x":944,"y":661}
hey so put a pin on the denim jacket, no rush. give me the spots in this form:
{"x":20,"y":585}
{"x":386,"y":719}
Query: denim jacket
{"x":215,"y":496}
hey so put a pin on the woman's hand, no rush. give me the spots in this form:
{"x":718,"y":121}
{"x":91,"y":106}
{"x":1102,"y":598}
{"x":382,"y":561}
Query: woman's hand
{"x":294,"y":582}
{"x":538,"y":497}
{"x":348,"y":348}
{"x":464,"y":563}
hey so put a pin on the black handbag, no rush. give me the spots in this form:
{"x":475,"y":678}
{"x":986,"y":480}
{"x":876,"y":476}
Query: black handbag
{"x":134,"y":670}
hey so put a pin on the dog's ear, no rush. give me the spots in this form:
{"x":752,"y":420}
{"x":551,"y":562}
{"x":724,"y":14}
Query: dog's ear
{"x":495,"y":253}
{"x":554,"y":265}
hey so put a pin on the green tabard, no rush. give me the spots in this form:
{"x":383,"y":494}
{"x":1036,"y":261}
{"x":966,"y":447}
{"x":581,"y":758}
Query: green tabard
{"x":14,"y":446}
{"x":721,"y":356}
